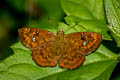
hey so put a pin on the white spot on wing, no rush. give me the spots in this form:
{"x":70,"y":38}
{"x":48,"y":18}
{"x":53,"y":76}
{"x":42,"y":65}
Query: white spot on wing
{"x":33,"y":39}
{"x":84,"y":43}
{"x":37,"y":32}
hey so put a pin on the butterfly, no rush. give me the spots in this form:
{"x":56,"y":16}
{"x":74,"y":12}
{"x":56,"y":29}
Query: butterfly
{"x":65,"y":50}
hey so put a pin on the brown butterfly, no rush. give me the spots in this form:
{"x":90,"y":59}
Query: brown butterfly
{"x":68,"y":51}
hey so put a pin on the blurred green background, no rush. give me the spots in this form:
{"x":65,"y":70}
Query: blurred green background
{"x":15,"y":14}
{"x":30,"y":13}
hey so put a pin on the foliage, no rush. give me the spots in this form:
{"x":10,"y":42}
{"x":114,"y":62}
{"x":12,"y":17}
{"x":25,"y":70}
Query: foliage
{"x":81,"y":16}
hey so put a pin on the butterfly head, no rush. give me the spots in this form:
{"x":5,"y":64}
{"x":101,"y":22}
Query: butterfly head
{"x":60,"y":32}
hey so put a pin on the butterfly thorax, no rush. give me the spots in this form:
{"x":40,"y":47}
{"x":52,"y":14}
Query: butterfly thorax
{"x":60,"y":32}
{"x":59,"y":42}
{"x":59,"y":38}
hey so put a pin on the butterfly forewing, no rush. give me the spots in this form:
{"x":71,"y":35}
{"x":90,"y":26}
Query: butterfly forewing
{"x":34,"y":38}
{"x":86,"y":42}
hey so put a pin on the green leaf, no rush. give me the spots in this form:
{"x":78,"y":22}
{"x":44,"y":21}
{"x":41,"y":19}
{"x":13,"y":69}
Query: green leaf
{"x":87,"y":15}
{"x":84,"y":9}
{"x":112,"y":8}
{"x":12,"y":76}
{"x":82,"y":15}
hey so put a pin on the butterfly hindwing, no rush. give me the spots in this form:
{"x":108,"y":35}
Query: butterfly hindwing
{"x":71,"y":57}
{"x":45,"y":56}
